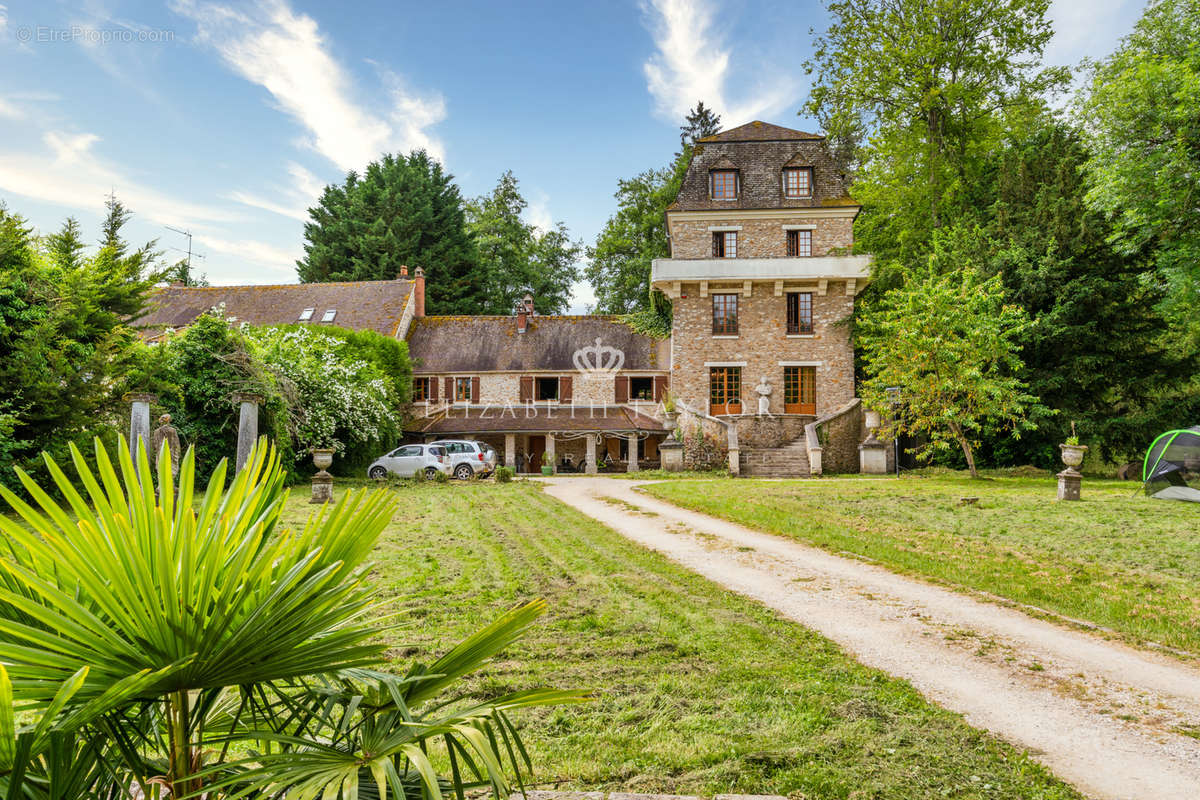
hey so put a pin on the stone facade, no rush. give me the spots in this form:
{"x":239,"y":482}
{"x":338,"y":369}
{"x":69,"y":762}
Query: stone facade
{"x":501,"y":388}
{"x":762,"y":236}
{"x":761,"y":344}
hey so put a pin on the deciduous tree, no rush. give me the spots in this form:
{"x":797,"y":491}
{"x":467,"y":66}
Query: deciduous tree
{"x":947,"y":340}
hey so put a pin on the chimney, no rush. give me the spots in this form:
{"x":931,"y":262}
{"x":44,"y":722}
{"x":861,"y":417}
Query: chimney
{"x":403,"y":272}
{"x":522,"y":318}
{"x":529,"y":304}
{"x":419,"y":291}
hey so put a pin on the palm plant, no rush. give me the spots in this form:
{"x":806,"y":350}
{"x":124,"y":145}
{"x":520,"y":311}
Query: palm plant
{"x":207,"y":649}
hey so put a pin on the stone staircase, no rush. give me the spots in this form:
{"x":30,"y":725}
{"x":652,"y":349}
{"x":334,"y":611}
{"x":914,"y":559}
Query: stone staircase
{"x":787,"y":461}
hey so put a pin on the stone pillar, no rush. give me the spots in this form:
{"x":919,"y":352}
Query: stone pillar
{"x":670,"y":452}
{"x":322,"y":482}
{"x":139,"y":422}
{"x":632,"y":449}
{"x":591,"y":454}
{"x":510,"y":450}
{"x":735,"y":452}
{"x":550,"y":451}
{"x":247,"y":426}
{"x":872,"y":456}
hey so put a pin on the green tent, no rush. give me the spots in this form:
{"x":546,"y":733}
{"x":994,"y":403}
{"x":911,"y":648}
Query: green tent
{"x":1171,"y":457}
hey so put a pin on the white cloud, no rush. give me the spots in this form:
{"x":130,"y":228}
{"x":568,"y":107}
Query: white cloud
{"x":691,"y":64}
{"x":285,"y":53}
{"x":7,"y":109}
{"x":537,"y":213}
{"x":3,"y":19}
{"x":278,"y":260}
{"x":64,"y":177}
{"x":69,"y":148}
{"x":291,"y":202}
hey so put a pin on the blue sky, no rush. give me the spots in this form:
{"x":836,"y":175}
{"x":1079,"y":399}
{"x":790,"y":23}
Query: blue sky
{"x":227,"y":118}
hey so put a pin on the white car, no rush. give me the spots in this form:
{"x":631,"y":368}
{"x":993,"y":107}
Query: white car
{"x":409,"y":459}
{"x":469,"y":458}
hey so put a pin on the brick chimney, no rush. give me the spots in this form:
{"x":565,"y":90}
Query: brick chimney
{"x":522,"y":318}
{"x":529,"y":304}
{"x":403,"y":272}
{"x":419,"y":291}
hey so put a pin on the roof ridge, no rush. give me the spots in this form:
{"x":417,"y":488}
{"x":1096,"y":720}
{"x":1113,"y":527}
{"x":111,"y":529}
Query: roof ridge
{"x":285,"y":285}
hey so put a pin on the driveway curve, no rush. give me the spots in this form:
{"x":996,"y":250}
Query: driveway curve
{"x":1114,"y":721}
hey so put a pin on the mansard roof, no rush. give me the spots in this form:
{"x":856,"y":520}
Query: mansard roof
{"x":474,"y":344}
{"x":760,"y":151}
{"x":359,"y":305}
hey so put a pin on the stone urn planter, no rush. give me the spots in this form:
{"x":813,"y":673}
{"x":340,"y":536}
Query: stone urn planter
{"x":871,"y":420}
{"x":322,"y":482}
{"x":670,"y":420}
{"x":1072,"y":454}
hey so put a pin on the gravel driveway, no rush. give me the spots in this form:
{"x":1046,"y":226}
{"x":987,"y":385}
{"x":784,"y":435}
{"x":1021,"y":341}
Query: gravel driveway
{"x":1109,"y":719}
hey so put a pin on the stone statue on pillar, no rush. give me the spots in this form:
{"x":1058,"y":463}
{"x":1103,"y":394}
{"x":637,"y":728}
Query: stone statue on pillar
{"x":165,"y":432}
{"x":764,"y":396}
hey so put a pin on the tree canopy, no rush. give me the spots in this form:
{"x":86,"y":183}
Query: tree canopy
{"x":401,"y":211}
{"x":515,"y":257}
{"x":1144,"y":134}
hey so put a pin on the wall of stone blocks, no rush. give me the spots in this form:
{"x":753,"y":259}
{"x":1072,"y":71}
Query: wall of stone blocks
{"x":759,"y":238}
{"x":840,"y":436}
{"x":762,"y":342}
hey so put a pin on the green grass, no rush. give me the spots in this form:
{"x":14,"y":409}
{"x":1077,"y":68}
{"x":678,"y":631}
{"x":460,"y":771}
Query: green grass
{"x":1116,"y":558}
{"x":697,"y":690}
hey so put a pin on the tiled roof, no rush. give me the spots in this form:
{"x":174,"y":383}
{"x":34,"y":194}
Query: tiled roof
{"x":440,"y":345}
{"x":535,"y":418}
{"x":759,"y":151}
{"x":360,"y":305}
{"x":758,"y":131}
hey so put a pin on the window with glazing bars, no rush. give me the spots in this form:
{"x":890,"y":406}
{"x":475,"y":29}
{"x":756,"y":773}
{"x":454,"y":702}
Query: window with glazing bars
{"x":799,"y":312}
{"x":420,"y":389}
{"x":725,"y":308}
{"x":799,"y":243}
{"x":724,"y":184}
{"x":725,"y":390}
{"x":800,"y":390}
{"x":724,"y":244}
{"x":462,"y":390}
{"x":797,"y":182}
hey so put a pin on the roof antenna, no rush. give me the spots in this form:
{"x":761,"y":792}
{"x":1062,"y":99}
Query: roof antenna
{"x":188,"y":234}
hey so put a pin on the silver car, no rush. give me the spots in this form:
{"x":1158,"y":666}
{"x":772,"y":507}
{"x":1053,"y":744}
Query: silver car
{"x":409,"y":459}
{"x":469,"y":458}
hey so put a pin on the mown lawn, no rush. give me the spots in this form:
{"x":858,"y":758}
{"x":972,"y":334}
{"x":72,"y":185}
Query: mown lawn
{"x":1116,"y":558}
{"x":697,"y":690}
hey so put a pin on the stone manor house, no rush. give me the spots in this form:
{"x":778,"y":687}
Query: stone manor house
{"x":759,"y":361}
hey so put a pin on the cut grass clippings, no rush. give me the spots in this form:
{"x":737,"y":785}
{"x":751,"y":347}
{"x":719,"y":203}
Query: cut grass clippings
{"x":697,"y":690}
{"x":1116,"y":558}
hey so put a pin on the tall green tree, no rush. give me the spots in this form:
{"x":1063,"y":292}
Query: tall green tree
{"x":947,"y":339}
{"x":63,"y":332}
{"x":930,"y":88}
{"x":1144,"y":133}
{"x":401,"y":211}
{"x":1094,"y":352}
{"x":701,"y":121}
{"x":515,"y":257}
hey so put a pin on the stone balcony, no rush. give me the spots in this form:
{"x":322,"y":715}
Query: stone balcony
{"x":669,"y":274}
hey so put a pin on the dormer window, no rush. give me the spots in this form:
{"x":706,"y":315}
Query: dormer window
{"x":724,"y":184}
{"x":306,"y":314}
{"x":797,"y":182}
{"x":329,"y":314}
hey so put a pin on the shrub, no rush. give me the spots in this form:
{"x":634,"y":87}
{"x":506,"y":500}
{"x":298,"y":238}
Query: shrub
{"x":504,"y":474}
{"x":440,"y":477}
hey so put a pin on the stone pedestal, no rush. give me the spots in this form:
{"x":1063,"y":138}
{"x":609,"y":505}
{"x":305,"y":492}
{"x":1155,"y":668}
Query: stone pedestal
{"x":247,"y":426}
{"x":631,"y":449}
{"x":322,"y":488}
{"x":1068,"y":484}
{"x":550,"y":452}
{"x":139,"y":422}
{"x":671,"y":453}
{"x":872,"y":457}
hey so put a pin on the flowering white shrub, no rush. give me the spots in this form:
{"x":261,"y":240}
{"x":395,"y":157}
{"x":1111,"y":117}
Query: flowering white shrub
{"x":336,"y":399}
